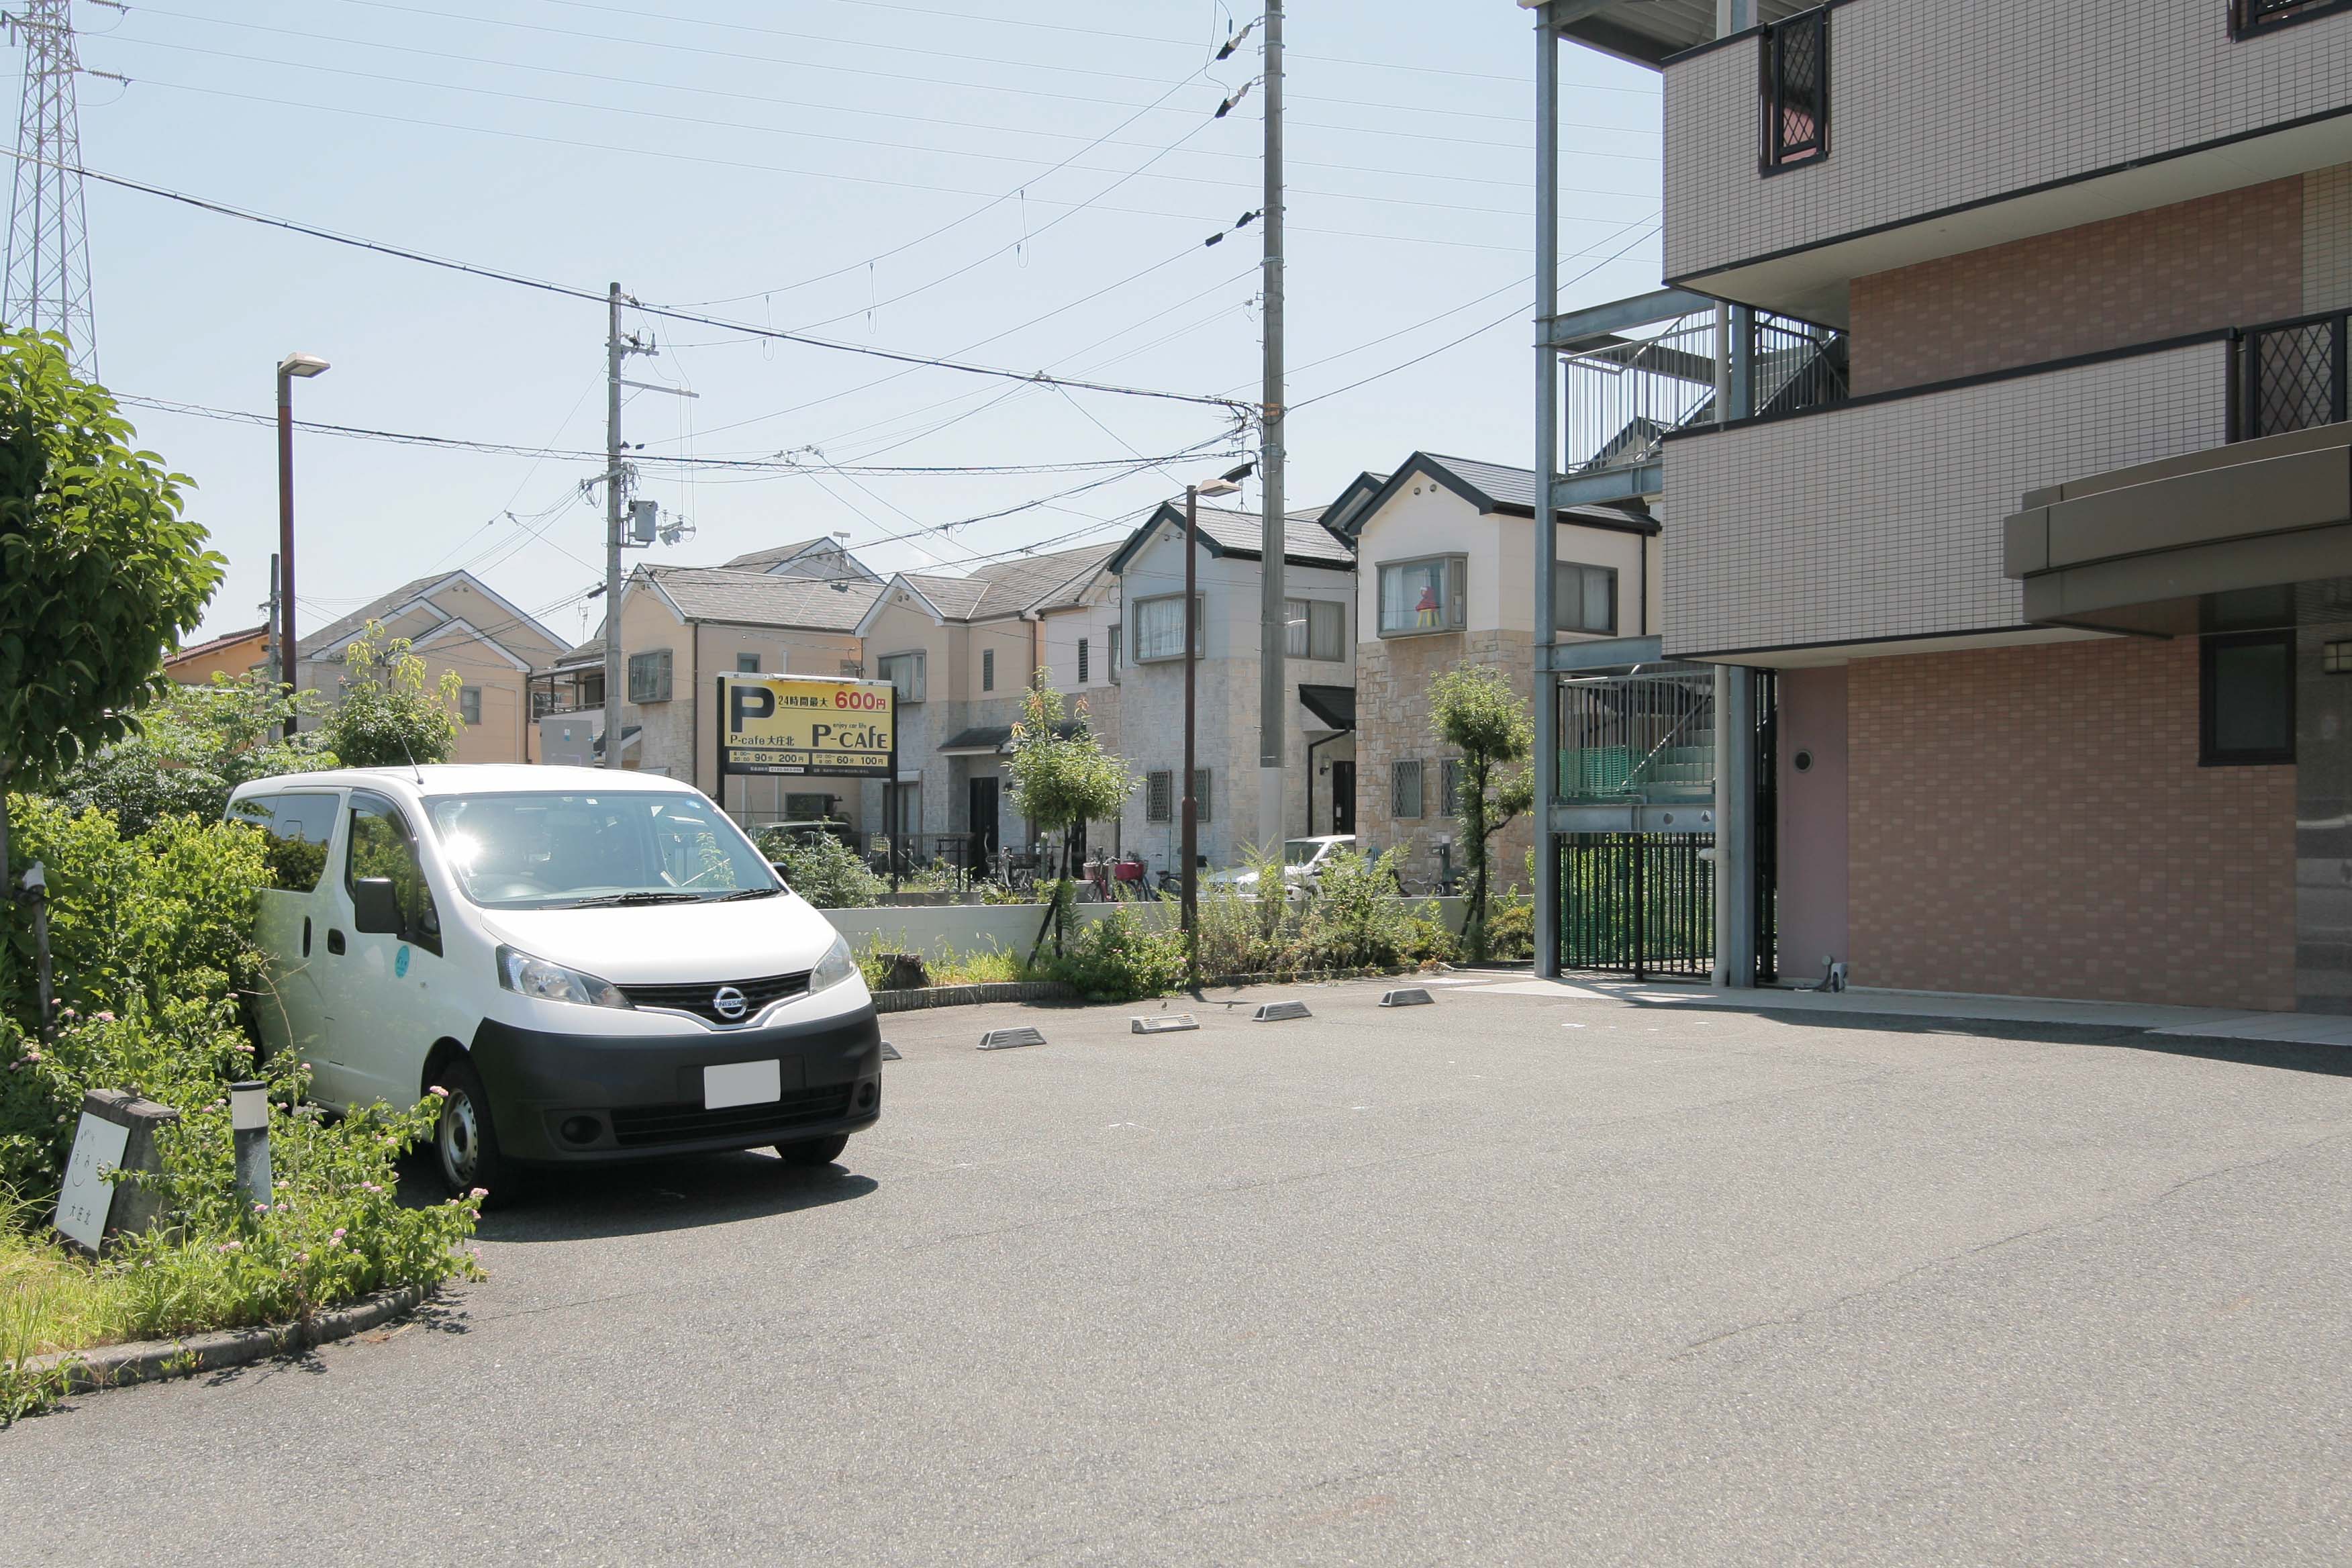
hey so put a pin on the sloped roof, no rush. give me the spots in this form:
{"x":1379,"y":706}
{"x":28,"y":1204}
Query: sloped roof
{"x":1241,"y":534}
{"x":318,"y":644}
{"x":1040,"y":582}
{"x":216,"y":645}
{"x":1492,"y":487}
{"x":763,"y":599}
{"x":775,"y":555}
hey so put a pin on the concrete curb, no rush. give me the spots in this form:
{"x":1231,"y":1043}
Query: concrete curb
{"x":148,"y":1360}
{"x":973,"y":995}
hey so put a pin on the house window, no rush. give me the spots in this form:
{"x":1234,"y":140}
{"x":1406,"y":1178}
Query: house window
{"x":1584,"y":598}
{"x":2335,"y":657}
{"x":1200,"y":795}
{"x":2260,"y":16}
{"x":469,"y":704}
{"x":1422,"y":595}
{"x":1315,"y":628}
{"x":1157,"y":787}
{"x":988,"y":669}
{"x":649,"y":677}
{"x":903,"y":671}
{"x":1450,"y":781}
{"x":1405,"y":790}
{"x":1115,"y":645}
{"x":1160,"y":628}
{"x":1796,"y":91}
{"x":1081,"y":661}
{"x":747,"y":664}
{"x":2246,"y":699}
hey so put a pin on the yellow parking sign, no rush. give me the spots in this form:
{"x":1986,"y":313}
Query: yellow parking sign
{"x":806,"y":724}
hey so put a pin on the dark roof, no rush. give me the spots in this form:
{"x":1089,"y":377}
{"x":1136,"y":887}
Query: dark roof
{"x":1492,"y":487}
{"x":774,"y":556}
{"x":763,"y":599}
{"x":1224,"y":532}
{"x":1335,"y":705}
{"x":1346,"y":507}
{"x":1041,"y":582}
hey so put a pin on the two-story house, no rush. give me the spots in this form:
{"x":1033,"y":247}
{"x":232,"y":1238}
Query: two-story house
{"x":1442,"y":546}
{"x":2059,"y":597}
{"x":457,"y":624}
{"x":1319,"y":742}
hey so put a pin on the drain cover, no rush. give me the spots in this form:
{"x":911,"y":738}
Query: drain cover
{"x":1160,"y":1024}
{"x":1411,"y":996}
{"x":1274,"y":1012}
{"x":1005,"y":1039}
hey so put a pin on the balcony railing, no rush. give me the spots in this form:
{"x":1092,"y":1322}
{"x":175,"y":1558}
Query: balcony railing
{"x":1646,"y":738}
{"x":2291,"y":376}
{"x":1625,"y":394}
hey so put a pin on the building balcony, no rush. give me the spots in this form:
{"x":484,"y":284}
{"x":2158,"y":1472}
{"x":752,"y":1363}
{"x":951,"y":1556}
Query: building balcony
{"x":1874,"y":135}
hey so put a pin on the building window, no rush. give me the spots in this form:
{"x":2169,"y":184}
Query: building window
{"x":1081,"y":661}
{"x":2260,"y":16}
{"x":988,"y":669}
{"x":1584,"y":598}
{"x":1315,"y":628}
{"x":649,"y":677}
{"x":1422,"y":596}
{"x":1200,"y":795}
{"x":1115,"y":645}
{"x":2336,"y":659}
{"x":747,"y":664}
{"x":469,"y":704}
{"x":903,"y":671}
{"x":1450,"y":786}
{"x":1157,"y":787}
{"x":2246,"y":699}
{"x":1160,"y":628}
{"x":1405,"y":790}
{"x":1796,"y":91}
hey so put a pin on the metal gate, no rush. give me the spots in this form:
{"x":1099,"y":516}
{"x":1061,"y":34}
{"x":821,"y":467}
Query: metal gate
{"x":1637,"y":903}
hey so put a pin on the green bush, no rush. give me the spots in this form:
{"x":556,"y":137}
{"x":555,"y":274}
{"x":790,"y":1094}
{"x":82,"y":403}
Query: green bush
{"x":1356,"y":921}
{"x":1511,"y":930}
{"x":192,"y":748}
{"x":821,"y":869}
{"x":1120,"y":959}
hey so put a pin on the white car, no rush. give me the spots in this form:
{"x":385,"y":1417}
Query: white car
{"x":1301,"y":859}
{"x":590,"y":967}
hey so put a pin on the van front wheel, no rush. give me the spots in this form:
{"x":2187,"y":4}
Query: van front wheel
{"x":814,"y":1151}
{"x":465,"y":1144}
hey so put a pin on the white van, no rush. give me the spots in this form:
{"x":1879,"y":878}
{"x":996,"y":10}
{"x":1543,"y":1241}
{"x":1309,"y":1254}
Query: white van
{"x":591,"y":966}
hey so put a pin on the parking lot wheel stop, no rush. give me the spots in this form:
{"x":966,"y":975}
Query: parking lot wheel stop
{"x":890,"y":1053}
{"x":1007,"y":1040}
{"x":1409,"y":996}
{"x":1276,"y":1011}
{"x":1162,"y":1024}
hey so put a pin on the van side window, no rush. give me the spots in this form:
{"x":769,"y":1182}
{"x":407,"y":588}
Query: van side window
{"x":381,"y":847}
{"x":298,"y":826}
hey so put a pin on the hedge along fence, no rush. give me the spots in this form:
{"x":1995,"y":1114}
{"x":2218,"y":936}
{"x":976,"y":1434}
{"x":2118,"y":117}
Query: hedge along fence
{"x":939,"y":930}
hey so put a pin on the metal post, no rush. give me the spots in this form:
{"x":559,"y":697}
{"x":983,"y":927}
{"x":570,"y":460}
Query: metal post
{"x":1547,"y":541}
{"x":1742,"y":372}
{"x":1191,"y":907}
{"x":1273,"y":694}
{"x":614,"y":667}
{"x":35,"y":886}
{"x":290,"y":647}
{"x":1734,"y":828}
{"x":248,"y":1120}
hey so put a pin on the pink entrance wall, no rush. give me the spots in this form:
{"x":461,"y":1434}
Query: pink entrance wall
{"x":1812,"y":908}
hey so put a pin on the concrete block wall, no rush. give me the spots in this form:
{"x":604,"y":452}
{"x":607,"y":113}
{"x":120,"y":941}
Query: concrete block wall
{"x":2032,"y":821}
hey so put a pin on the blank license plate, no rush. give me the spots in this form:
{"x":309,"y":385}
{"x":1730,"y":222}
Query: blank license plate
{"x":741,"y":1083}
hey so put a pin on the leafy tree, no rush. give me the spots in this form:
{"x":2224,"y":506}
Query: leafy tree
{"x":390,"y":713}
{"x":1477,"y":711}
{"x":192,"y":748}
{"x":1064,"y":780}
{"x":101,"y":574}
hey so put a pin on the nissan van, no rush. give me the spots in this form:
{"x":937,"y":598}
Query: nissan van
{"x":582,"y":966}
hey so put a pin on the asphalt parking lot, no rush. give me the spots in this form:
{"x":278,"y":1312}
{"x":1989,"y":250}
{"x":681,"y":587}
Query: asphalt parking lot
{"x":1508,"y":1278}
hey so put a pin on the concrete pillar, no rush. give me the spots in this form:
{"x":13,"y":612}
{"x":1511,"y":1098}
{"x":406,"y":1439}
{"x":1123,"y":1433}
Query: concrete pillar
{"x":1734,"y":828}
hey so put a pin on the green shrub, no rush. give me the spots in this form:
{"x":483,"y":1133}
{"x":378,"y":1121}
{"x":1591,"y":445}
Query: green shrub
{"x":192,"y":748}
{"x":1356,"y":921}
{"x":1511,"y":930}
{"x":1120,"y":959}
{"x":821,"y":869}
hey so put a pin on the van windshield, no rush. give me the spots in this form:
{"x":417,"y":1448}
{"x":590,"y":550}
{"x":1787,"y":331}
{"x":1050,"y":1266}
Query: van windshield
{"x":575,"y":851}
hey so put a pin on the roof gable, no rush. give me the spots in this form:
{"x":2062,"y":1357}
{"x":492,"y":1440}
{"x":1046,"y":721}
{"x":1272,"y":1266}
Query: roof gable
{"x":1493,"y":489}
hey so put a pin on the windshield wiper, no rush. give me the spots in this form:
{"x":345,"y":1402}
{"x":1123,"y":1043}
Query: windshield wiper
{"x":611,"y":901}
{"x":747,"y":893}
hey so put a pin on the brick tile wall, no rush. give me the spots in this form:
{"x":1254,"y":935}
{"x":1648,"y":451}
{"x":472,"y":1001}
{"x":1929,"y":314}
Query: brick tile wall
{"x":2327,"y":238}
{"x":2224,"y":261}
{"x":1392,"y":721}
{"x":2032,"y":822}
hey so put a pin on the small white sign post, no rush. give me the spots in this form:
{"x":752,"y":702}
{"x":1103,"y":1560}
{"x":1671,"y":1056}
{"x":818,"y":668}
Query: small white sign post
{"x":88,"y":1196}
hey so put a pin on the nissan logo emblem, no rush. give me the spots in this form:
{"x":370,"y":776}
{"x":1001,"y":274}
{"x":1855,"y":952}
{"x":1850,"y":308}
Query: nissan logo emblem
{"x":728,"y":1002}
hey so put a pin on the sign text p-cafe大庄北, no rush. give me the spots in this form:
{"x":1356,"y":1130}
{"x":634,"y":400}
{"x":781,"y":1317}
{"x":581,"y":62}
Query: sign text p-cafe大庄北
{"x":806,"y":724}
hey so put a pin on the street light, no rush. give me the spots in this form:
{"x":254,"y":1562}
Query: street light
{"x":293,"y":366}
{"x":1224,"y":484}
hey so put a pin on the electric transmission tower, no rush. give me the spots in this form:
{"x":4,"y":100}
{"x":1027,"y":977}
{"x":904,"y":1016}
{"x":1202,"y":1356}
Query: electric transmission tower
{"x":49,"y":246}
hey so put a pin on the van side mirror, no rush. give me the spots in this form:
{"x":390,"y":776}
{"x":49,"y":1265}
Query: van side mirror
{"x":375,"y":907}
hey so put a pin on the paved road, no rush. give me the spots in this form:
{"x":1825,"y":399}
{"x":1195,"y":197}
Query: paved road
{"x":1508,"y":1279}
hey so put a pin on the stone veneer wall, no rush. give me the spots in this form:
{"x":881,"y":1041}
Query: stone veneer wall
{"x":2032,"y":821}
{"x":1393,"y":724}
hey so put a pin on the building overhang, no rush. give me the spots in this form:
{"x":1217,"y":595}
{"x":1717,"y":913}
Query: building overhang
{"x":2253,"y":536}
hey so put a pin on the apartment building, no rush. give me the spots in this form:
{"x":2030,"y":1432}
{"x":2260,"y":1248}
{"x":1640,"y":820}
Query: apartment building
{"x":1442,"y":546}
{"x":1318,"y":741}
{"x":456,"y":624}
{"x":2057,"y":595}
{"x":962,"y":651}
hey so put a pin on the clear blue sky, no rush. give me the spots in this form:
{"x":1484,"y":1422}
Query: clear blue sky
{"x":762,"y":155}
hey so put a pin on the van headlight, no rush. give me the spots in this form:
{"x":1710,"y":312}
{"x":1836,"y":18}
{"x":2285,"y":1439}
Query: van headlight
{"x":535,"y":977}
{"x":837,"y":964}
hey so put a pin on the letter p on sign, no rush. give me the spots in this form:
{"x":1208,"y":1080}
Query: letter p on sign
{"x":745,"y":702}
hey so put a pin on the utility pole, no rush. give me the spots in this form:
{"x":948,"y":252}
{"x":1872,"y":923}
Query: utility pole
{"x":276,"y":655}
{"x":1191,"y":884}
{"x":614,"y":667}
{"x":1274,"y":706}
{"x":47,"y":286}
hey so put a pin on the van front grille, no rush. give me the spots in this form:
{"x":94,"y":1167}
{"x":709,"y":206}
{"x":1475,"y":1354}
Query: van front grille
{"x":649,"y":1126}
{"x":701,"y":996}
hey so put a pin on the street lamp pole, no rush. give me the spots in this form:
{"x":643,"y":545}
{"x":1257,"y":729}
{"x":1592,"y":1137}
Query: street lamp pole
{"x":293,"y":366}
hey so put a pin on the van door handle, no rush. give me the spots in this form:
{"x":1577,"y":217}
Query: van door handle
{"x":334,"y":940}
{"x":306,"y":936}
